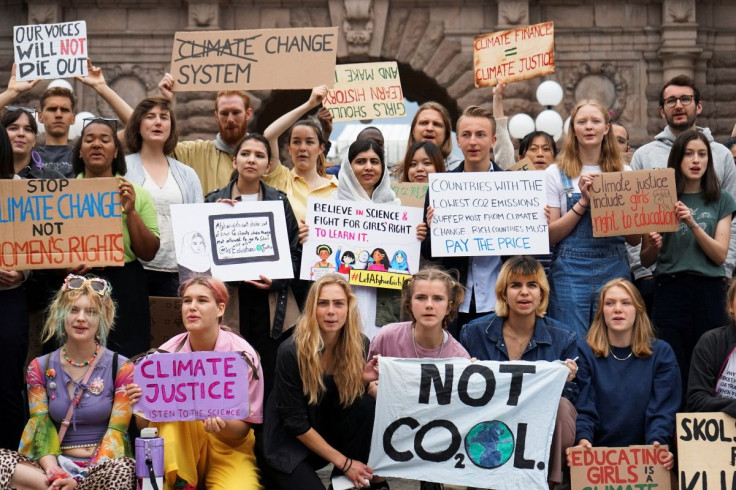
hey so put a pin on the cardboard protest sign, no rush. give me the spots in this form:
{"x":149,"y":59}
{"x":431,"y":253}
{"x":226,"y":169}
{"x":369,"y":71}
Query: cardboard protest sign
{"x":523,"y":164}
{"x":373,"y":244}
{"x":488,"y":213}
{"x":410,"y":193}
{"x":232,"y":243}
{"x":59,"y":223}
{"x":513,"y":55}
{"x":631,"y":467}
{"x":165,"y":319}
{"x":706,"y":450}
{"x":50,"y":50}
{"x":640,"y":201}
{"x":482,"y":424}
{"x":263,"y":59}
{"x":366,"y":91}
{"x":192,"y":386}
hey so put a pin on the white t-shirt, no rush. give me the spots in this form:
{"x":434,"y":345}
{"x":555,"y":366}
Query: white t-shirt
{"x":556,"y":197}
{"x":163,"y":197}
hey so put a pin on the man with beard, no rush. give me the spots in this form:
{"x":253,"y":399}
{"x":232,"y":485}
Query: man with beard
{"x":213,"y":160}
{"x":679,"y":105}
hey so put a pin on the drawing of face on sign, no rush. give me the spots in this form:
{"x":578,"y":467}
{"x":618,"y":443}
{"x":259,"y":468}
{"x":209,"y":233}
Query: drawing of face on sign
{"x":399,"y":263}
{"x":195,"y":258}
{"x":362,"y":261}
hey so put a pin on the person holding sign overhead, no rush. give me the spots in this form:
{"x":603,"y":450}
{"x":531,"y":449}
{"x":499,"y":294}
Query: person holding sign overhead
{"x":629,"y":381}
{"x":589,"y":149}
{"x":319,"y":412}
{"x":215,"y":453}
{"x":519,"y":330}
{"x":690,"y":292}
{"x":306,"y":146}
{"x":82,"y":382}
{"x":151,"y":136}
{"x":98,"y":153}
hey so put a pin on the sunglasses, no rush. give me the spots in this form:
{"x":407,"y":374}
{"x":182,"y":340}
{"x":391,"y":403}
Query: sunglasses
{"x":99,"y":286}
{"x":28,"y":110}
{"x":107,"y":121}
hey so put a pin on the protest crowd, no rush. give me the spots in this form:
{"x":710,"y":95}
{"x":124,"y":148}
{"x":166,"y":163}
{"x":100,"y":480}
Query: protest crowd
{"x":640,"y":325}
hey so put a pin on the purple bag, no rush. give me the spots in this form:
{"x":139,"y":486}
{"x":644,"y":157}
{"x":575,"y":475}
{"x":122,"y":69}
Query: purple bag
{"x":149,"y":459}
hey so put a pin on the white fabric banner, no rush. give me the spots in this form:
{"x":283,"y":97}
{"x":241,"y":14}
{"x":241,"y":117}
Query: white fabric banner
{"x":483,"y":424}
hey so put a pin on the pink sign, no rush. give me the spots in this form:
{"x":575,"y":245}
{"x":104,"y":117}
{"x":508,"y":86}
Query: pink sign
{"x":192,"y":386}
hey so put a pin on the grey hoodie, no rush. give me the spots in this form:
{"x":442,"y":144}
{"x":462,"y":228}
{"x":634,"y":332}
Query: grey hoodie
{"x":655,"y":155}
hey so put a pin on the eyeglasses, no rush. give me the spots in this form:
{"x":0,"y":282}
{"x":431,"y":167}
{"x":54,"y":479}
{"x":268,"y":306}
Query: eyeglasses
{"x":28,"y":110}
{"x":99,"y":286}
{"x":684,"y":100}
{"x":107,"y":121}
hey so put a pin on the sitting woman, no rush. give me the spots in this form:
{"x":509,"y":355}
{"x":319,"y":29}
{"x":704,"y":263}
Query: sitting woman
{"x":318,"y":412}
{"x":81,"y":382}
{"x":621,"y":355}
{"x":710,"y":386}
{"x":519,"y":330}
{"x":214,"y":452}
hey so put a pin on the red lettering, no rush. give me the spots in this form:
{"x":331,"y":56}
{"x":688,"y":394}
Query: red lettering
{"x":144,"y":365}
{"x":229,"y":368}
{"x":212,"y":395}
{"x":214,"y":363}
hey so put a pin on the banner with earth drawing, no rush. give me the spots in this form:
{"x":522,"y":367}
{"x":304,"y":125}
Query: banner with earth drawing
{"x":482,"y":424}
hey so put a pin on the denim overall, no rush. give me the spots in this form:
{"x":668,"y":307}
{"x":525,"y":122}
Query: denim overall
{"x":581,"y":265}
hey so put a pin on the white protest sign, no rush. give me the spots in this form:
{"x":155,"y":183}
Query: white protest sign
{"x":50,"y":50}
{"x":482,"y":424}
{"x":366,"y":91}
{"x":373,"y":244}
{"x":232,"y":243}
{"x":488,"y":213}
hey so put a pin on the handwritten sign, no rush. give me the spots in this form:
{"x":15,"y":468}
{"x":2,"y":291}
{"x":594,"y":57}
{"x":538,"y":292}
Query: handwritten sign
{"x":373,"y":244}
{"x":706,"y":450}
{"x":410,"y":193}
{"x":262,"y":59}
{"x":366,"y":91}
{"x":50,"y":50}
{"x":232,"y":243}
{"x":517,"y":54}
{"x":192,"y":386}
{"x":59,"y":223}
{"x":488,"y":213}
{"x":524,"y":164}
{"x":630,"y":467}
{"x":640,"y":201}
{"x":484,"y":424}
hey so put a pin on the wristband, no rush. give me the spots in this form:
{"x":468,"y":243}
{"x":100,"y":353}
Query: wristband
{"x":573,"y":210}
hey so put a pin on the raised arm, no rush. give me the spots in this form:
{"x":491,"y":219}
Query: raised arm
{"x":15,"y":88}
{"x":503,"y":150}
{"x":96,"y":80}
{"x":282,"y":124}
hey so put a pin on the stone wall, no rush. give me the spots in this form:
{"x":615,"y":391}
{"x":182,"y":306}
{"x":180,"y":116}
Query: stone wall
{"x":617,"y":51}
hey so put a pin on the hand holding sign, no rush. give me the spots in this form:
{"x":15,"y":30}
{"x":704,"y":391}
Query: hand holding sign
{"x":15,"y":87}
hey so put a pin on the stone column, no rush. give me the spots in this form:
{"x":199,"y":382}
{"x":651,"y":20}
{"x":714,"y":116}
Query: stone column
{"x":680,"y":51}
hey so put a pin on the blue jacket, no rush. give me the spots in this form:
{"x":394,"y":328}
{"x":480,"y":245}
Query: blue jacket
{"x":483,"y":339}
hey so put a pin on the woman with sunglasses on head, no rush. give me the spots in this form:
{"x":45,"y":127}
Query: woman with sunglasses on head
{"x":98,"y":153}
{"x":22,"y":129}
{"x":213,"y":453}
{"x":151,"y":136}
{"x":82,"y":382}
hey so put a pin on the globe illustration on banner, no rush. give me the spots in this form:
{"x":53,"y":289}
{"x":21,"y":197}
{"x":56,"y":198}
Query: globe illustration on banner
{"x":489,"y":444}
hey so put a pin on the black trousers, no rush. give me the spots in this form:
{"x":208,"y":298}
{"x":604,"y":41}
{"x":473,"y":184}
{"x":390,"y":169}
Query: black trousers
{"x":13,"y":349}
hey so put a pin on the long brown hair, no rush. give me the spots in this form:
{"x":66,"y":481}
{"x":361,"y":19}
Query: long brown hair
{"x":349,"y":349}
{"x":321,"y":160}
{"x":569,"y":159}
{"x":446,"y":147}
{"x":642,"y":333}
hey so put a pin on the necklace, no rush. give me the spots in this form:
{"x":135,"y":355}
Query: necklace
{"x":619,"y":358}
{"x":79,"y":364}
{"x":414,"y":341}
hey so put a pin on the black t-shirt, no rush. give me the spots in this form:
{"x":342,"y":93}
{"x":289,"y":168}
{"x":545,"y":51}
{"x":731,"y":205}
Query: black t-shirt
{"x":57,"y":157}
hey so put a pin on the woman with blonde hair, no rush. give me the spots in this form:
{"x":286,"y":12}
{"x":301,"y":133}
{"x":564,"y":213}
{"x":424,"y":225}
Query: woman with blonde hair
{"x":519,"y":330}
{"x":319,"y":412}
{"x":622,"y":355}
{"x":589,"y":148}
{"x":82,"y":382}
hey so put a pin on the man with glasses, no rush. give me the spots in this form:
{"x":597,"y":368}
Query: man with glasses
{"x":679,"y":105}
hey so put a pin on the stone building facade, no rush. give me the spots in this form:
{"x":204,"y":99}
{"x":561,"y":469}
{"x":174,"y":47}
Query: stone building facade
{"x":619,"y":52}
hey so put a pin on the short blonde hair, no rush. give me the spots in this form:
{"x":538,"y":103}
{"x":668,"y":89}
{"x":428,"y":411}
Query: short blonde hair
{"x":521,"y":266}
